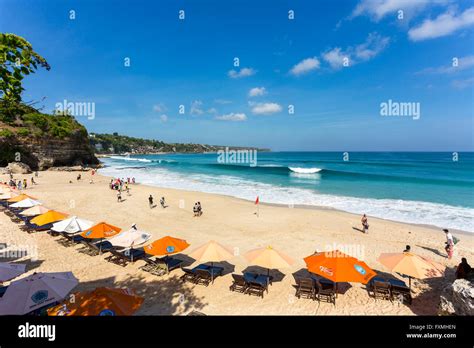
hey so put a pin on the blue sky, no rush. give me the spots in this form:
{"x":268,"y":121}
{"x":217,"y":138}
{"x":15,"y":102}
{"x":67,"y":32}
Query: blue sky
{"x":283,"y":62}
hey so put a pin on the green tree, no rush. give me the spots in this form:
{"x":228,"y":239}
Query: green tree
{"x":17,"y":59}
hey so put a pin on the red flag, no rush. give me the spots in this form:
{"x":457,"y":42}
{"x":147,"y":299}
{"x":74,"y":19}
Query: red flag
{"x":256,"y":201}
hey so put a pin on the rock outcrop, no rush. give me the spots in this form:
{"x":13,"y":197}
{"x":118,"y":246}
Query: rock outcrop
{"x":44,"y":153}
{"x":18,"y":168}
{"x":457,"y":298}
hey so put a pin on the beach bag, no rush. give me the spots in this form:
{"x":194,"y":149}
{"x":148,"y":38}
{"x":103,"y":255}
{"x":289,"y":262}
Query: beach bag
{"x":455,"y":240}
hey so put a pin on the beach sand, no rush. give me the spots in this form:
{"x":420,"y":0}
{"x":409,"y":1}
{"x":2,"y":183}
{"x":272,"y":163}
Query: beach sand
{"x":295,"y":231}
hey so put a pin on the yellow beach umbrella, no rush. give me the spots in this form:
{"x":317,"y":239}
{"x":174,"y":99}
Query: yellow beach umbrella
{"x":411,"y":265}
{"x":48,"y":217}
{"x":268,"y":258}
{"x":19,"y":198}
{"x":211,"y":252}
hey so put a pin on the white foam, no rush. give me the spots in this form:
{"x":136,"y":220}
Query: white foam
{"x":441,"y":215}
{"x":130,"y":159}
{"x":305,"y":170}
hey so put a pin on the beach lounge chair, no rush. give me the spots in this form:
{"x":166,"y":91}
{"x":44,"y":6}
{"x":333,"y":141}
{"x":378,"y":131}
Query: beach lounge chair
{"x":401,"y":292}
{"x":326,"y":292}
{"x":306,"y":288}
{"x":123,"y":258}
{"x":94,"y":249}
{"x":32,"y":228}
{"x":188,"y":276}
{"x":256,"y":288}
{"x":381,"y":289}
{"x":161,"y":266}
{"x":239,"y":284}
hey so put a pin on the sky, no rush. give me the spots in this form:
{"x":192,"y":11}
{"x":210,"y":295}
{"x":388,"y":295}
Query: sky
{"x":309,"y":75}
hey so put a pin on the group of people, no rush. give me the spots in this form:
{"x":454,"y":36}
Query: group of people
{"x":151,"y":202}
{"x":21,"y":184}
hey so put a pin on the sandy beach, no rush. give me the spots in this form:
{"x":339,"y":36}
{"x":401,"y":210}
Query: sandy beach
{"x":296,"y":231}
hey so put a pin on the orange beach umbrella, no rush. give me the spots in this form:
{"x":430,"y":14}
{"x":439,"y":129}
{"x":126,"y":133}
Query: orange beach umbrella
{"x":99,"y":302}
{"x":48,"y":217}
{"x":339,"y":267}
{"x":166,"y":246}
{"x":101,"y":230}
{"x":20,"y":198}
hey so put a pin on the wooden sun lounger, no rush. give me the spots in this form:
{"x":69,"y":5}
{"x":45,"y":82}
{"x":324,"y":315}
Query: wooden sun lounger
{"x":161,"y":266}
{"x":402,"y":292}
{"x":257,"y":289}
{"x":239,"y":284}
{"x":202,"y":274}
{"x":306,"y":288}
{"x":188,"y":276}
{"x":381,"y":289}
{"x":94,"y":249}
{"x":326,"y":292}
{"x":123,"y":258}
{"x":31,"y":228}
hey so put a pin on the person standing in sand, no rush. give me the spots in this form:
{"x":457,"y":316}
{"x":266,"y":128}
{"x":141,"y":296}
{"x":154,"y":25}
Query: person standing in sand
{"x":150,"y":201}
{"x":449,"y":244}
{"x":365,"y":224}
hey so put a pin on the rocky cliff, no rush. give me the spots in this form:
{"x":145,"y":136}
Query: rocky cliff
{"x":42,"y":141}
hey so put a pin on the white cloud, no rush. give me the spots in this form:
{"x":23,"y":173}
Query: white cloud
{"x":445,"y":24}
{"x":235,"y":117}
{"x":377,"y":9}
{"x":265,"y":108}
{"x":335,"y":57}
{"x":373,"y":45}
{"x":160,"y":107}
{"x":164,"y":118}
{"x":257,"y":91}
{"x":462,"y":64}
{"x":196,"y":108}
{"x":244,"y":72}
{"x":212,"y":111}
{"x":305,"y":66}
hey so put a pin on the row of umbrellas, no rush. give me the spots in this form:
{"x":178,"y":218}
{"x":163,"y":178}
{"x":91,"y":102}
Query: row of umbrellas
{"x":334,"y":265}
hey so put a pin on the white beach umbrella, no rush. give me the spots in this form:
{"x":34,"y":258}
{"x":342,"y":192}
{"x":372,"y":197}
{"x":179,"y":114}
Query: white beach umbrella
{"x":9,"y":271}
{"x":26,"y":203}
{"x":36,"y":291}
{"x":36,"y":210}
{"x":72,"y":225}
{"x":8,"y":195}
{"x":130,"y":238}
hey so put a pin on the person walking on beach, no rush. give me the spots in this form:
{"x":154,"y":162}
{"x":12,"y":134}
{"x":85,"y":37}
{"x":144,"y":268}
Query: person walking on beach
{"x":150,"y":201}
{"x":449,"y":244}
{"x":25,"y":183}
{"x":365,"y":224}
{"x":127,"y":189}
{"x":162,"y":202}
{"x":33,"y":182}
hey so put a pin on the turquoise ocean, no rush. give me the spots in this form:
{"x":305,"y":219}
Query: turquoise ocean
{"x":435,"y":188}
